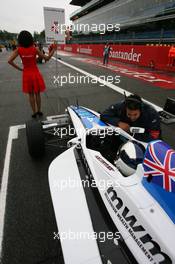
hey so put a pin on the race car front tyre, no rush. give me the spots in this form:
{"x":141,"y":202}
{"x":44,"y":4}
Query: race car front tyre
{"x":35,"y":138}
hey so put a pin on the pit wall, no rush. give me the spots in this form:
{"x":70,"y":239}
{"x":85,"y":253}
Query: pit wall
{"x":156,"y":57}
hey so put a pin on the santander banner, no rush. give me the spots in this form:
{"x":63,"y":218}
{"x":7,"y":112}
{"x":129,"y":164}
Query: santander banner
{"x":156,"y":57}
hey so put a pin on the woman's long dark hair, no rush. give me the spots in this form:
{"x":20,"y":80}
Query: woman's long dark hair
{"x":25,"y":39}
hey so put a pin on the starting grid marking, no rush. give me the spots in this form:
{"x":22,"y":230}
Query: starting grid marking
{"x":160,"y":80}
{"x":13,"y":134}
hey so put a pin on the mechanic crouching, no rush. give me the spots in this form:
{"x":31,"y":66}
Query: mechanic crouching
{"x":133,"y":112}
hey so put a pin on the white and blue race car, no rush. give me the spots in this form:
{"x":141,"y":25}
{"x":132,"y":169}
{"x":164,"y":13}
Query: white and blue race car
{"x":88,"y":190}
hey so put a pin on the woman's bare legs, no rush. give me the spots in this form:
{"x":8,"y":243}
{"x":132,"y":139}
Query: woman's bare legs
{"x":32,"y":102}
{"x":38,"y":101}
{"x":35,"y":102}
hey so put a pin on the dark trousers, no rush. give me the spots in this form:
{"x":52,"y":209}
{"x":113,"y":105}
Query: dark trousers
{"x":105,"y":58}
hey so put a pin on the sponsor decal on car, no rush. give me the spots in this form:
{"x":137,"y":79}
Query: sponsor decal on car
{"x":104,"y":163}
{"x":144,"y":241}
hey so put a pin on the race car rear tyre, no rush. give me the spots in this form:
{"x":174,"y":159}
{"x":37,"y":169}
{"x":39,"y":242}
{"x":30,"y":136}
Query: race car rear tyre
{"x":35,"y":138}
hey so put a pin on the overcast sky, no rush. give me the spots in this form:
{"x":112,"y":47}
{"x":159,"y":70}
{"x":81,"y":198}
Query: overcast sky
{"x":17,"y":15}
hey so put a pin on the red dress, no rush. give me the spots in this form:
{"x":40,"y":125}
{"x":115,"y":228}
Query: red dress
{"x":32,"y":79}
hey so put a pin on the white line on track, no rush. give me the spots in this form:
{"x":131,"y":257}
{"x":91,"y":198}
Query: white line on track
{"x":13,"y":134}
{"x":110,"y":85}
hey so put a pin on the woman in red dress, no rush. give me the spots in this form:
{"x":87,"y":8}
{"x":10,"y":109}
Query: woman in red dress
{"x":33,"y":82}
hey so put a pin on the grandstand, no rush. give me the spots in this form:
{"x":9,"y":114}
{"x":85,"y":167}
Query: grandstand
{"x":141,"y":21}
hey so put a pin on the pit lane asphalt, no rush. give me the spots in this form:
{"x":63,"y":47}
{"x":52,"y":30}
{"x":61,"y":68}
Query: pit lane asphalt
{"x":29,"y":216}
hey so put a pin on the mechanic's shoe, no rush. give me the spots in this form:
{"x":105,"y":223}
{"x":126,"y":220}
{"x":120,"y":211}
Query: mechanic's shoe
{"x":34,"y":115}
{"x":39,"y":113}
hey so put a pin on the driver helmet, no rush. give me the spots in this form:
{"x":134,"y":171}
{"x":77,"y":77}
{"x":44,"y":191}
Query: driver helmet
{"x":129,"y":155}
